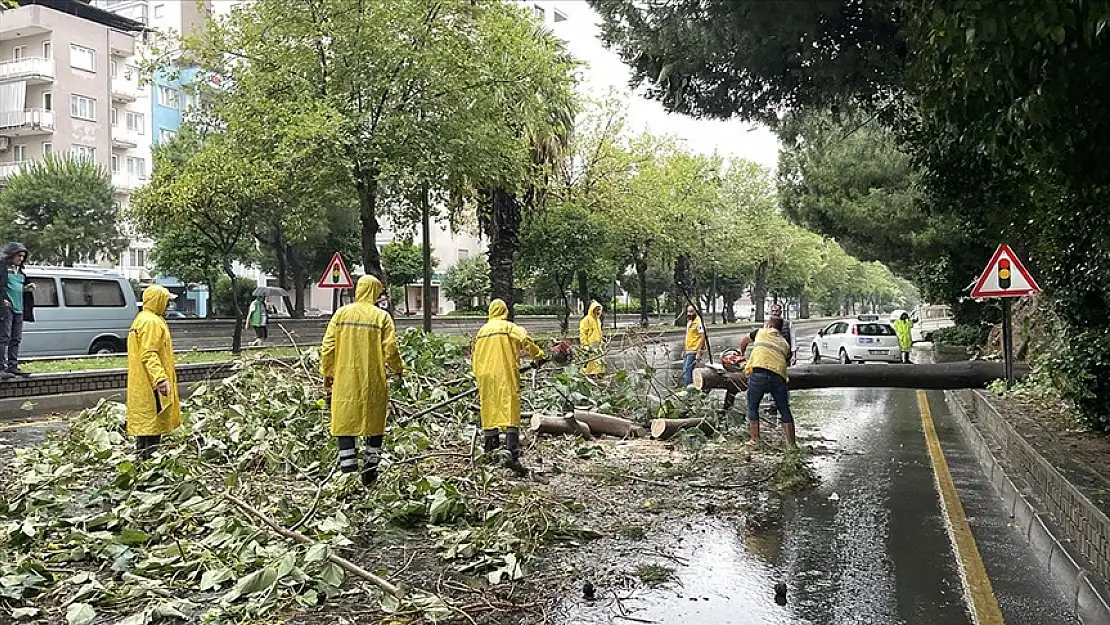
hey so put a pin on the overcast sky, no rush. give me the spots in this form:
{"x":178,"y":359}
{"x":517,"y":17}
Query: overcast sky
{"x":604,"y":71}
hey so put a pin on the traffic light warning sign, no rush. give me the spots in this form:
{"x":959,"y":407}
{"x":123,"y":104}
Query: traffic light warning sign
{"x":336,"y":275}
{"x":1004,"y":276}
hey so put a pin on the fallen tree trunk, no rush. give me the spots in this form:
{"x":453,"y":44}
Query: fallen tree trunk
{"x":608,"y":424}
{"x":944,"y":376}
{"x":662,"y":429}
{"x":566,"y":425}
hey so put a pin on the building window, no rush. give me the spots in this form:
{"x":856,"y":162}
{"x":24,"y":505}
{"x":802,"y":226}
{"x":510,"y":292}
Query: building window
{"x":136,"y":122}
{"x":136,"y":167}
{"x":84,"y":152}
{"x":136,"y":258}
{"x":538,"y":12}
{"x":560,"y":16}
{"x":463,"y":254}
{"x":47,"y":50}
{"x":19,"y":153}
{"x":82,"y":107}
{"x":113,"y":68}
{"x":115,"y":164}
{"x":115,"y":116}
{"x":47,"y":149}
{"x":82,"y":58}
{"x":88,"y":293}
{"x":165,"y":136}
{"x":48,"y":101}
{"x":187,"y":101}
{"x":159,"y":11}
{"x":167,"y":96}
{"x":17,"y":52}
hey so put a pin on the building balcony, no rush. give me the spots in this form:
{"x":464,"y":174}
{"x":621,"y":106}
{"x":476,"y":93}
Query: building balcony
{"x":7,"y":170}
{"x":34,"y":70}
{"x":126,"y":183}
{"x":27,"y":122}
{"x":124,"y":90}
{"x":123,"y":137}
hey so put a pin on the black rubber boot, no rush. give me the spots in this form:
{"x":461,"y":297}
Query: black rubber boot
{"x":492,"y":440}
{"x":371,"y":456}
{"x":348,"y":456}
{"x":512,"y":442}
{"x":147,"y":445}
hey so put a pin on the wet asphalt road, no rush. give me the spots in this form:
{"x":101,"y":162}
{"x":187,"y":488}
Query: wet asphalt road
{"x":869,"y":545}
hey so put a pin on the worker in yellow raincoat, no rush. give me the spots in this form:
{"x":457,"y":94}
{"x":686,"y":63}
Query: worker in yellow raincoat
{"x":496,"y":363}
{"x":359,"y":344}
{"x":589,"y":336}
{"x":152,"y":401}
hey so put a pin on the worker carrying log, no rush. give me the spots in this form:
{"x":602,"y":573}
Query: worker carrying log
{"x":589,"y":336}
{"x":496,"y":363}
{"x":766,"y":371}
{"x":153,"y":406}
{"x":359,"y":344}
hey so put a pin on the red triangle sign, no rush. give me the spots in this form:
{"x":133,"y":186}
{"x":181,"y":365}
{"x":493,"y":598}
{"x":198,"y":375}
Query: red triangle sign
{"x":1004,"y":276}
{"x":336,"y":275}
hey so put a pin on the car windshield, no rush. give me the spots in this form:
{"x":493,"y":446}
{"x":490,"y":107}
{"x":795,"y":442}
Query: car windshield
{"x":875,"y":329}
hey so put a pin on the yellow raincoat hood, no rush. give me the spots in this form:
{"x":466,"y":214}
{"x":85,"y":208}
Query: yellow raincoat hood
{"x":156,"y":299}
{"x":589,"y":335}
{"x":360,"y":342}
{"x":368,"y":290}
{"x":149,"y":361}
{"x":496,"y":363}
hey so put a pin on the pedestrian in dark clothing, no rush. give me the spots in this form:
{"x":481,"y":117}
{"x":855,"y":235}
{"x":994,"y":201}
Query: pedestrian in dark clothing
{"x":15,"y":290}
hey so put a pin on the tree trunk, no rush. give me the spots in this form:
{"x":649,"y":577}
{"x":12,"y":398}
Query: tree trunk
{"x":584,"y":291}
{"x":237,"y":335}
{"x":945,"y":376}
{"x":300,"y":282}
{"x":662,"y":429}
{"x":608,"y":424}
{"x":566,"y":425}
{"x":366,"y":181}
{"x":803,"y":307}
{"x":640,"y":262}
{"x":501,"y":223}
{"x":426,"y":240}
{"x":759,"y":291}
{"x":564,"y":322}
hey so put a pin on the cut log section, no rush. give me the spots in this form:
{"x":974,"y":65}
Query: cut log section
{"x":662,"y":429}
{"x":567,"y":426}
{"x":608,"y":424}
{"x":944,"y":376}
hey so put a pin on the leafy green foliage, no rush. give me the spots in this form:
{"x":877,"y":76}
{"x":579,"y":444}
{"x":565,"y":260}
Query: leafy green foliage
{"x":63,"y":209}
{"x":222,"y":305}
{"x":961,"y":335}
{"x":467,"y":280}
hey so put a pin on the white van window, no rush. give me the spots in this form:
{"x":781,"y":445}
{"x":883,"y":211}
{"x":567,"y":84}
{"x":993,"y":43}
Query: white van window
{"x":92,"y":293}
{"x":46,"y":292}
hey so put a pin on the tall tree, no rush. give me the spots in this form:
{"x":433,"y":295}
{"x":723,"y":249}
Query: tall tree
{"x":404,"y":264}
{"x":63,"y":208}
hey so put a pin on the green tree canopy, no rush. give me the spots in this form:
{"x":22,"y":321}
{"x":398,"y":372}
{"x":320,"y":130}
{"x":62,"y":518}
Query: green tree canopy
{"x":466,"y":281}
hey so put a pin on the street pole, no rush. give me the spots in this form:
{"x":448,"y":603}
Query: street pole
{"x":334,"y":300}
{"x":1008,"y":342}
{"x":426,"y":238}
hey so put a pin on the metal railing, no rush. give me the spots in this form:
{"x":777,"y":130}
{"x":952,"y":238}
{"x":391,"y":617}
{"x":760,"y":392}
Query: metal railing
{"x":40,"y":119}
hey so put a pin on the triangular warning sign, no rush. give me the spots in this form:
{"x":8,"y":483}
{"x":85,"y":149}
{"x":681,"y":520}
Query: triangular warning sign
{"x":336,"y":275}
{"x":1004,"y":276}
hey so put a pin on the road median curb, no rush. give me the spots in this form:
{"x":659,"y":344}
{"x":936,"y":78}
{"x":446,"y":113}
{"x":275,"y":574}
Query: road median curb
{"x":1068,"y":533}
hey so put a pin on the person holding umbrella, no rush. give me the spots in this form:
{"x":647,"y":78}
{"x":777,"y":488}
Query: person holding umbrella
{"x":259,"y":318}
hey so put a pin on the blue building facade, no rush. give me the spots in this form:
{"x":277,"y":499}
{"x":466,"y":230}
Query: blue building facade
{"x":171,"y":99}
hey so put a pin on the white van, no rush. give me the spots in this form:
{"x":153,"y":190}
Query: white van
{"x":78,"y":311}
{"x":929,"y":319}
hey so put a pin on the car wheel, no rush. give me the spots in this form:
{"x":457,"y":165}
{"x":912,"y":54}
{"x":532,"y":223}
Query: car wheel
{"x":844,"y":359}
{"x":816,"y":355}
{"x":105,"y":347}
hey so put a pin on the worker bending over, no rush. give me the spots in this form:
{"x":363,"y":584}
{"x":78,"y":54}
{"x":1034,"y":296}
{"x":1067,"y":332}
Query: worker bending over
{"x":496,"y":362}
{"x":359,"y":344}
{"x":589,"y":336}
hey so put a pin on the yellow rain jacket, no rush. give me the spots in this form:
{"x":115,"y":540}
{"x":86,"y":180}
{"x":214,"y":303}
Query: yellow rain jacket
{"x":904,"y":329}
{"x":149,"y":361}
{"x":589,"y":335}
{"x":496,"y":362}
{"x":358,"y":345}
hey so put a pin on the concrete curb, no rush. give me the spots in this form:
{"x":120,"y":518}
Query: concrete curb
{"x":1059,"y":552}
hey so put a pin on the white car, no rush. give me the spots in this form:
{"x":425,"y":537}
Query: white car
{"x":929,"y":319}
{"x":862,"y":339}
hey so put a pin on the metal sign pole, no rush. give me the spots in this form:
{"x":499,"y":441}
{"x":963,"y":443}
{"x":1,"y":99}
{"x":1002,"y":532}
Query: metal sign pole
{"x":334,"y":300}
{"x":1008,"y":342}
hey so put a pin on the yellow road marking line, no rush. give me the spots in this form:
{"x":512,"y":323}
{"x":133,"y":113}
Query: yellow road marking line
{"x":984,"y":605}
{"x":27,"y":424}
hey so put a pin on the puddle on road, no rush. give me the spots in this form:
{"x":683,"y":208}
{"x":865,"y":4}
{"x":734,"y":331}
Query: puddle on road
{"x":724,"y":578}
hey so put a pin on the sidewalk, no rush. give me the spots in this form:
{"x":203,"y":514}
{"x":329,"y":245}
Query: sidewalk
{"x":1055,"y":482}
